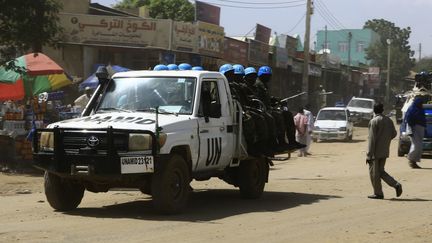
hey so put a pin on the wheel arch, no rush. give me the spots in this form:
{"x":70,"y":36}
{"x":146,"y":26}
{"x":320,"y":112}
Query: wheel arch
{"x":185,"y":152}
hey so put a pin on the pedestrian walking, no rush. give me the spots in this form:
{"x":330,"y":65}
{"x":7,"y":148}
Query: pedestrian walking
{"x":300,"y":122}
{"x":310,"y":125}
{"x":416,"y":122}
{"x":381,"y":132}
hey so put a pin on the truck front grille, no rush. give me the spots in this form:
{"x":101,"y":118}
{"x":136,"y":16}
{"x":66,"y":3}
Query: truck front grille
{"x":74,"y":141}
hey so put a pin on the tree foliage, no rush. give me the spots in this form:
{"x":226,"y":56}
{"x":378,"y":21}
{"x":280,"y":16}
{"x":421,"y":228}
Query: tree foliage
{"x":180,"y":10}
{"x":424,"y":64}
{"x":400,"y":60}
{"x":27,"y":25}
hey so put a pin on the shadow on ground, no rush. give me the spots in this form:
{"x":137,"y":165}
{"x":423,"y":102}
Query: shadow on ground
{"x":340,"y":141}
{"x":206,"y":205}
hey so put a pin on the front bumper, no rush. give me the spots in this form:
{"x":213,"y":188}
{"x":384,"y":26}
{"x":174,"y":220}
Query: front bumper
{"x":71,"y":158}
{"x":329,"y":135}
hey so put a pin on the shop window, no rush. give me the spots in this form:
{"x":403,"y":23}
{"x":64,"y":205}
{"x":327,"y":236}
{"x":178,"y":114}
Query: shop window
{"x":343,"y":46}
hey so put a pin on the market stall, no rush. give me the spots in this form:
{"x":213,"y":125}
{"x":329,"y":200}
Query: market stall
{"x":27,"y":99}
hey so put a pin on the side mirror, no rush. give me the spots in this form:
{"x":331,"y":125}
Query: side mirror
{"x":102,"y":75}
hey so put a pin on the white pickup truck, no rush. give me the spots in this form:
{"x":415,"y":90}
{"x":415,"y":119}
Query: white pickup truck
{"x":151,"y":130}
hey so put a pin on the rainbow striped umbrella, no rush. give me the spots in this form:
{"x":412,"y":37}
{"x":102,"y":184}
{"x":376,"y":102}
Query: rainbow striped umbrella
{"x":35,"y":74}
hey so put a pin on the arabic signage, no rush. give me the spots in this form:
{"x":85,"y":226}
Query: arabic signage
{"x":235,"y":51}
{"x":185,"y":37}
{"x":314,"y":70}
{"x":210,"y":39}
{"x":258,"y":52}
{"x":262,"y":33}
{"x":373,"y":78}
{"x":280,"y":57}
{"x":207,"y":13}
{"x":110,"y":30}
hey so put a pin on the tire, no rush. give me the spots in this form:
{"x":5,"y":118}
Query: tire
{"x":62,"y":194}
{"x":252,"y":178}
{"x":170,"y":186}
{"x":315,"y":140}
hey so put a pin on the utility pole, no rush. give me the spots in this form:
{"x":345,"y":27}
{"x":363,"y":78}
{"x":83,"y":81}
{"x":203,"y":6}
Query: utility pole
{"x":305,"y":81}
{"x":325,"y":38}
{"x":349,"y":48}
{"x":420,"y":51}
{"x":389,"y":41}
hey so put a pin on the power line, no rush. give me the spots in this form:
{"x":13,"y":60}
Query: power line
{"x":261,"y":8}
{"x":324,"y":6}
{"x":295,"y":26}
{"x":266,"y":3}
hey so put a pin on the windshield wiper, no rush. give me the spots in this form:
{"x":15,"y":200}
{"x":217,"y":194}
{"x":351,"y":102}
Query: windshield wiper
{"x":114,"y":109}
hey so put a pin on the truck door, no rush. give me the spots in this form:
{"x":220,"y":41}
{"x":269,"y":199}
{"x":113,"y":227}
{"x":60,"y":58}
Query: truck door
{"x":215,"y":132}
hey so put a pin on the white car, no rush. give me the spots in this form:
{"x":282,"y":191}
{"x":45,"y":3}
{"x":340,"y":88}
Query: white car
{"x":361,"y":109}
{"x":333,"y":123}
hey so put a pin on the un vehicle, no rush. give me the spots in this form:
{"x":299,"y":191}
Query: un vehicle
{"x":154,"y":131}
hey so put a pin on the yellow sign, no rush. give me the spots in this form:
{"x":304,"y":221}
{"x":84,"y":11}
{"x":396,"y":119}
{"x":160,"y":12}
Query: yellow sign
{"x":211,"y":39}
{"x":111,"y":30}
{"x":185,"y":37}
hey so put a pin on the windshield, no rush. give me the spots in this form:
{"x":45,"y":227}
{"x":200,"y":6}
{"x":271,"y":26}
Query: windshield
{"x":171,"y":94}
{"x":361,"y":103}
{"x":336,"y":115}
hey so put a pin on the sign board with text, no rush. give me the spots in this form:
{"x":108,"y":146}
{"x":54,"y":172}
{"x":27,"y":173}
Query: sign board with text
{"x":112,"y":30}
{"x":210,"y":39}
{"x":185,"y":37}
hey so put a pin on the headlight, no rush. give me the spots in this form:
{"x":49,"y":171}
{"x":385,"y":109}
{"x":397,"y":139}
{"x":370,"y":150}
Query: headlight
{"x":316,"y":128}
{"x":342,"y":129}
{"x":46,"y":142}
{"x":142,"y":142}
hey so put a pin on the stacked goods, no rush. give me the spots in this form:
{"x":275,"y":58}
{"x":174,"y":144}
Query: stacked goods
{"x":23,"y":149}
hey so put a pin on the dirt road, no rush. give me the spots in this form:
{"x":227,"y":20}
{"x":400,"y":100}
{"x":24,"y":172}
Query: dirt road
{"x":321,"y":198}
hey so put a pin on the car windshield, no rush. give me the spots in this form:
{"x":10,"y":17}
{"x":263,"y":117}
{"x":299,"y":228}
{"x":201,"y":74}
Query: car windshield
{"x":170,"y":94}
{"x":337,"y":115}
{"x":361,"y":103}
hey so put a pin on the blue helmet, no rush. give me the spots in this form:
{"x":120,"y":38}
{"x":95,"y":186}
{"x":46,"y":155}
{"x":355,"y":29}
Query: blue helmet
{"x":264,"y":70}
{"x":198,"y":68}
{"x":172,"y":67}
{"x":184,"y":66}
{"x":239,"y":69}
{"x":225,"y":68}
{"x":250,"y":70}
{"x":160,"y":67}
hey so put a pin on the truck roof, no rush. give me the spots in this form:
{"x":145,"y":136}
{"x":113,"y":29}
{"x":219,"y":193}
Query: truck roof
{"x":146,"y":73}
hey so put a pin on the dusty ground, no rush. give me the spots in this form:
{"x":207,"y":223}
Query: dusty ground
{"x":321,"y":198}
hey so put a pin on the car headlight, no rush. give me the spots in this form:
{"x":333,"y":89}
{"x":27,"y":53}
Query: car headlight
{"x":342,"y":128}
{"x":142,"y":142}
{"x":316,"y":128}
{"x":46,"y":142}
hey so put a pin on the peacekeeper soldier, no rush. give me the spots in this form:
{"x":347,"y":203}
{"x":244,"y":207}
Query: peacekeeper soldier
{"x":261,"y":144}
{"x":248,"y":124}
{"x":281,"y":119}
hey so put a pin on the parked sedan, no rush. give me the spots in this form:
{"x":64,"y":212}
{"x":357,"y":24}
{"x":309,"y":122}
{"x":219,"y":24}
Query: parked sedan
{"x":333,"y":123}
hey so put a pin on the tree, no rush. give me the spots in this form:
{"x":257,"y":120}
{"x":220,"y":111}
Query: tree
{"x":27,"y":25}
{"x":180,"y":10}
{"x":400,"y":60}
{"x":424,"y":64}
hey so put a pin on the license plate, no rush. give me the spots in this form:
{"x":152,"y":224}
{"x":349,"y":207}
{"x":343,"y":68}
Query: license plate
{"x":139,"y":164}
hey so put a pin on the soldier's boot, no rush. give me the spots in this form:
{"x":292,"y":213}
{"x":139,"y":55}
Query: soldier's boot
{"x":414,"y":165}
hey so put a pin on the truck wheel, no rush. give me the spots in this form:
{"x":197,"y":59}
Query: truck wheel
{"x":170,"y":186}
{"x":62,"y":194}
{"x":252,"y":178}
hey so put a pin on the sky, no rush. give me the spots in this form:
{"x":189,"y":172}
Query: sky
{"x":336,"y":14}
